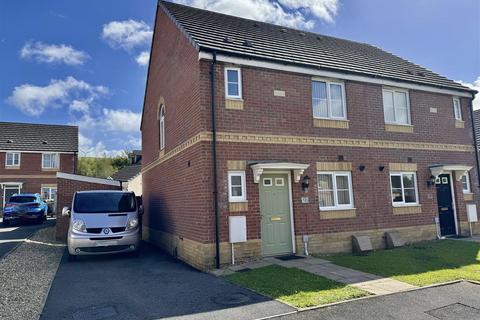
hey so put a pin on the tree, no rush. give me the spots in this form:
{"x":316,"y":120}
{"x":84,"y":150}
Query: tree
{"x":101,"y":167}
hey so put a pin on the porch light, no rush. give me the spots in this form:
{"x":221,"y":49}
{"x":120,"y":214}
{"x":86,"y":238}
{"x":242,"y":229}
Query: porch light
{"x":431,"y":181}
{"x":305,"y":183}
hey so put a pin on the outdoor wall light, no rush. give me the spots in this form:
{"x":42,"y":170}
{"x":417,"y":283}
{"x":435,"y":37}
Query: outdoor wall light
{"x":361,"y":168}
{"x":431,"y":181}
{"x":305,"y":183}
{"x":381,"y":168}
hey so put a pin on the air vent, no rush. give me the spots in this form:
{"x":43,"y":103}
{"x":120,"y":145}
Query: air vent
{"x":44,"y":142}
{"x":228,"y":40}
{"x":421,"y":74}
{"x":247,"y":43}
{"x":302,"y":34}
{"x":283,"y":30}
{"x":409,"y":72}
{"x":9,"y":141}
{"x":256,"y":25}
{"x":319,"y":38}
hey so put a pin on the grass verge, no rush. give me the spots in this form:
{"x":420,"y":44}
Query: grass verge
{"x":420,"y":264}
{"x":294,"y":286}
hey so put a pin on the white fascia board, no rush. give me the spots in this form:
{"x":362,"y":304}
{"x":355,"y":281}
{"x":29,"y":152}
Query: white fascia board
{"x":77,"y":177}
{"x":330,"y":74}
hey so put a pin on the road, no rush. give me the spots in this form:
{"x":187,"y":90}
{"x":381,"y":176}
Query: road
{"x":10,"y":237}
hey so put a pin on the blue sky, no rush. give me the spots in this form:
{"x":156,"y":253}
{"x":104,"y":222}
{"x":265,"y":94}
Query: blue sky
{"x":84,"y":62}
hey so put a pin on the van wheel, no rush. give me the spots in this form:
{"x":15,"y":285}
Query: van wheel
{"x":72,"y":257}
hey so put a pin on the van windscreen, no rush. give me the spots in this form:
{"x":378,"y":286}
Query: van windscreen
{"x":104,"y":202}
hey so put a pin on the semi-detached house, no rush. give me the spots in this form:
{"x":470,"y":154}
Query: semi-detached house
{"x":32,"y":154}
{"x":309,"y":137}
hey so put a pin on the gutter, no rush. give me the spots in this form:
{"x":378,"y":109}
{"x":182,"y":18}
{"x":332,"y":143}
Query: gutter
{"x":214,"y":156}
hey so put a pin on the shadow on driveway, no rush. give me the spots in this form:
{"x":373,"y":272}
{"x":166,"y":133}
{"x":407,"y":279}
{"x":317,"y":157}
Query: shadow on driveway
{"x":153,"y":286}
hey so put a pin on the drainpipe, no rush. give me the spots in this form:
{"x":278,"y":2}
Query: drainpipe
{"x":214,"y":156}
{"x":474,"y":138}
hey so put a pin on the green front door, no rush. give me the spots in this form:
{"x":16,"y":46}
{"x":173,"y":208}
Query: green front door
{"x":275,"y":211}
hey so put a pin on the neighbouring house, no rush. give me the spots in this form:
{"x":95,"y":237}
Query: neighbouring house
{"x":309,"y":139}
{"x":32,"y":154}
{"x":130,"y":176}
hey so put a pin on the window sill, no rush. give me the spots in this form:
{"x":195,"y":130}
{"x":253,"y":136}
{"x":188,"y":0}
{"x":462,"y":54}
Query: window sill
{"x":460,"y":124}
{"x":238,"y":206}
{"x":337,"y":213}
{"x":50,"y":169}
{"x":468,"y":196}
{"x":234,"y":104}
{"x":331,"y":123}
{"x":395,"y":127}
{"x":407,"y":209}
{"x":12,"y":167}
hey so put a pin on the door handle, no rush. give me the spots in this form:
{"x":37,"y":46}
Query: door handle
{"x":444,"y":209}
{"x":275,"y":219}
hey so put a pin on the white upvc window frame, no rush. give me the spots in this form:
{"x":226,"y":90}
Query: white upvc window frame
{"x":57,"y":155}
{"x":13,"y":164}
{"x":239,"y":83}
{"x":457,"y":113}
{"x":403,"y":203}
{"x":231,"y":197}
{"x":336,"y":206}
{"x":50,"y":189}
{"x":467,"y":181}
{"x":407,"y":97}
{"x":329,"y":108}
{"x":161,"y":124}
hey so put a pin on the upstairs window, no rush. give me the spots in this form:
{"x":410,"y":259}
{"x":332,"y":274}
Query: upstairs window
{"x":233,"y":83}
{"x":50,"y":161}
{"x":162,"y":127}
{"x":404,"y":188}
{"x":328,"y":100}
{"x":457,"y":109}
{"x":396,"y":106}
{"x":12,"y":159}
{"x":236,"y":186}
{"x":335,"y":190}
{"x":466,"y":183}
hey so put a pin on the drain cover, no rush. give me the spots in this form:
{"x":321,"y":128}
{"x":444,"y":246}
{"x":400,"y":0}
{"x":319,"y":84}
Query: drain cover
{"x":95,"y":313}
{"x":292,"y":257}
{"x":231,"y":299}
{"x":457,"y":311}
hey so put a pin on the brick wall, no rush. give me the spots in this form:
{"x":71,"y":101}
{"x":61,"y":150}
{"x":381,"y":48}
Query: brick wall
{"x":66,"y":190}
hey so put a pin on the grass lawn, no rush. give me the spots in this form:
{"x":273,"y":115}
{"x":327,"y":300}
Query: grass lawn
{"x":295,"y":286}
{"x":420,"y":264}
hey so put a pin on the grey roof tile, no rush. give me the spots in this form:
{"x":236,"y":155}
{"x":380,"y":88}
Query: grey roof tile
{"x":38,"y":137}
{"x":127,"y":172}
{"x":229,"y":34}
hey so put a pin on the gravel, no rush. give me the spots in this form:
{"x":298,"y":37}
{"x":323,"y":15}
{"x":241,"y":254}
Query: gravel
{"x":26,"y":275}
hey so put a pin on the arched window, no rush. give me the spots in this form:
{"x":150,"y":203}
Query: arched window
{"x":162,"y":127}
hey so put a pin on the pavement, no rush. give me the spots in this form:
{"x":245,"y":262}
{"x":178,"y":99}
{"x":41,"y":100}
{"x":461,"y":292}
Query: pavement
{"x":153,"y":286}
{"x":12,"y":236}
{"x":457,"y":301}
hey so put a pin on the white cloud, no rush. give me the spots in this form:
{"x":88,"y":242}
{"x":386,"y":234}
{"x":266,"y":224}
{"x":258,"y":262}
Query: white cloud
{"x":143,"y":58}
{"x":89,"y":149}
{"x":121,"y":120}
{"x":475,"y":86}
{"x":80,"y":105}
{"x":127,"y":34}
{"x":289,"y":13}
{"x":33,"y":100}
{"x":52,"y":53}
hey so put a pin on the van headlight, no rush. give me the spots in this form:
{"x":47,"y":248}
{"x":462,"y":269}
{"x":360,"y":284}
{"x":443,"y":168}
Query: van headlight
{"x":79,"y":225}
{"x":132,"y":223}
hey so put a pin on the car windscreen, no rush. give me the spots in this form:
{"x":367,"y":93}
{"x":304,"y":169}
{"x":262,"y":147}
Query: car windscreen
{"x":22,"y":199}
{"x":104,"y":202}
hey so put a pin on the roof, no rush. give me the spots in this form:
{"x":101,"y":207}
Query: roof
{"x":127,"y":173}
{"x":212,"y":31}
{"x":38,"y":137}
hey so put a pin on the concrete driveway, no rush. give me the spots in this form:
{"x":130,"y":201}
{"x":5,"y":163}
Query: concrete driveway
{"x":153,"y":286}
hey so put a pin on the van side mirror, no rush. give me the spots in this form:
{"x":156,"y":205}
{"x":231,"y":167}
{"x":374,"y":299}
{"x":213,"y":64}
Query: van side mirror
{"x":140,"y":209}
{"x":66,"y":212}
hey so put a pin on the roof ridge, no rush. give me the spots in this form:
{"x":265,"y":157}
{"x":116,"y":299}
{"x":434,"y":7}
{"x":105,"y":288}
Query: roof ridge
{"x":39,"y":124}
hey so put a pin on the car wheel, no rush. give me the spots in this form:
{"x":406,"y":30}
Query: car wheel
{"x":40,"y":220}
{"x":72,"y":257}
{"x":6,"y":223}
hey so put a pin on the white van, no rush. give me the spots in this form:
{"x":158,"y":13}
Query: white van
{"x":103,"y":222}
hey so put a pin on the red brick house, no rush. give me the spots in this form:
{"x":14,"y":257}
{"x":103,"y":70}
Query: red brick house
{"x":32,"y":154}
{"x":310,"y":138}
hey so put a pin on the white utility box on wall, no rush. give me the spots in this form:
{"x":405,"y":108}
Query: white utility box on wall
{"x":238,"y":228}
{"x":472,"y":213}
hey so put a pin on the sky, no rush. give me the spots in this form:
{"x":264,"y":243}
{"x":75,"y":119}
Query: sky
{"x":84,"y":62}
